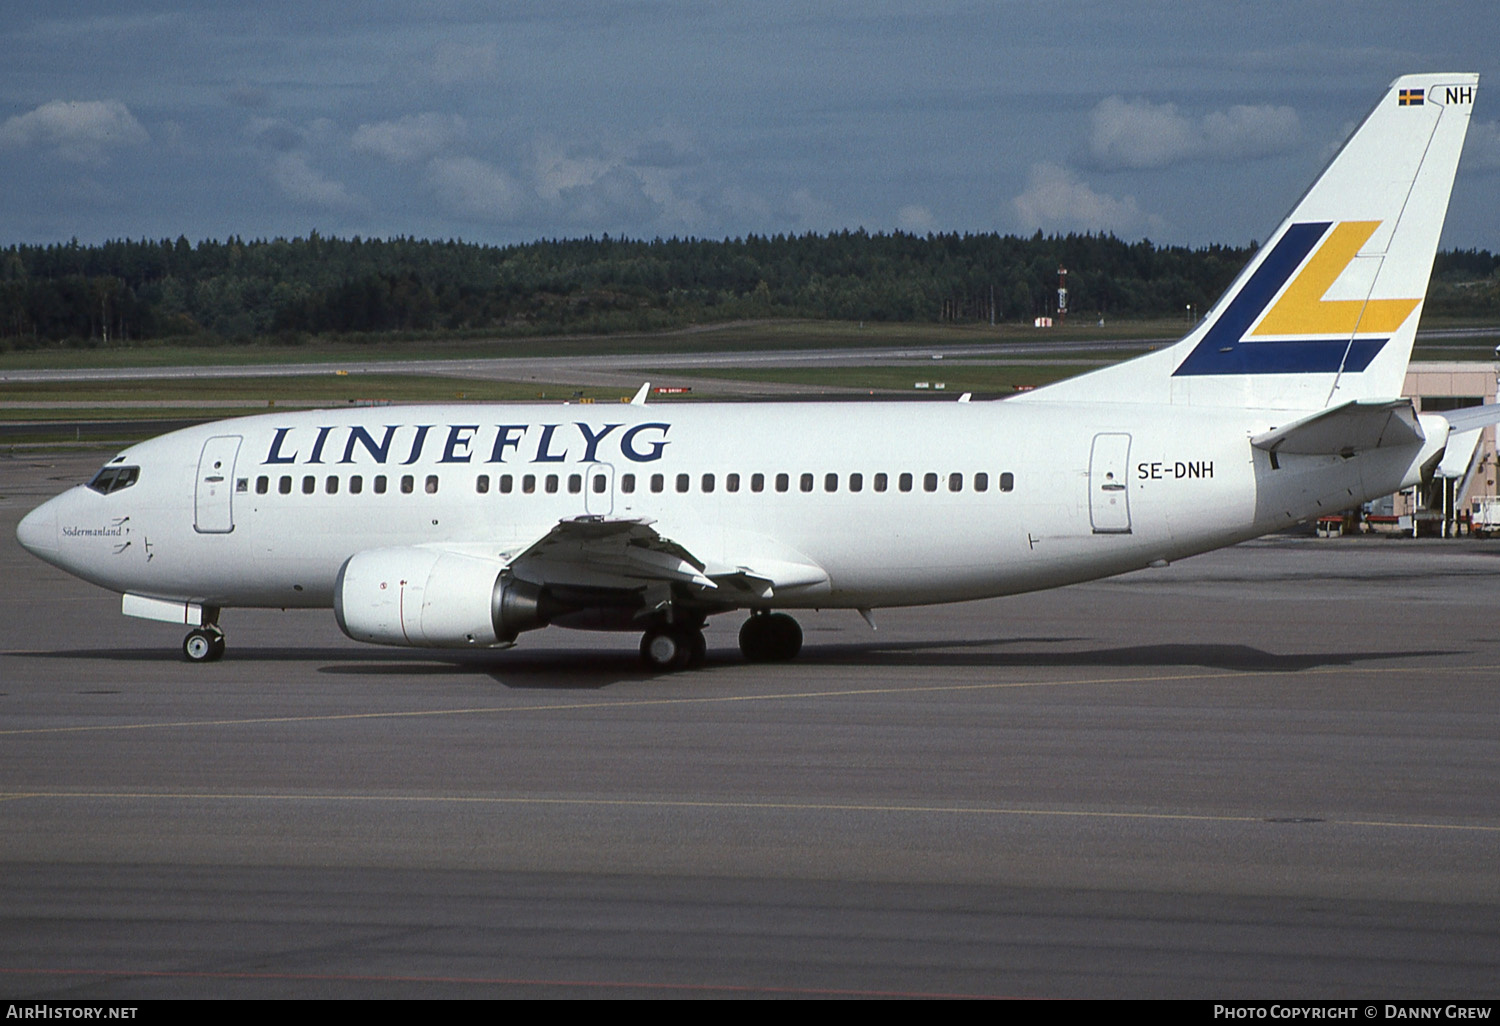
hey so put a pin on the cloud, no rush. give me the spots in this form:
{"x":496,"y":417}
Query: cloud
{"x":291,"y":173}
{"x":807,"y":212}
{"x":79,"y":131}
{"x":612,"y":199}
{"x":409,"y":139}
{"x":464,"y":63}
{"x":1246,"y":132}
{"x":245,"y":95}
{"x":1057,"y":200}
{"x":275,"y":135}
{"x":474,"y":188}
{"x":556,"y":171}
{"x":915,"y":219}
{"x":607,"y":187}
{"x":1138,"y":134}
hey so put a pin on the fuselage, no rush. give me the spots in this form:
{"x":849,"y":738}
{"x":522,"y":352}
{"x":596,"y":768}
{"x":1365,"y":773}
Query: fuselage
{"x":898,"y":503}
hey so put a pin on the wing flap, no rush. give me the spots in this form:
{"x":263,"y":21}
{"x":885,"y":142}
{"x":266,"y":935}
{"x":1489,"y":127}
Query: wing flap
{"x":591,"y":550}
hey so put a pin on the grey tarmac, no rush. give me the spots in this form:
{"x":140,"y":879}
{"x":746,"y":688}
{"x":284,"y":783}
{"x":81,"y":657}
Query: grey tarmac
{"x":1267,"y":772}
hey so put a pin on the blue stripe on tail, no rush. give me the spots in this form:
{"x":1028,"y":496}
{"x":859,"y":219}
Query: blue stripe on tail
{"x":1224,"y":349}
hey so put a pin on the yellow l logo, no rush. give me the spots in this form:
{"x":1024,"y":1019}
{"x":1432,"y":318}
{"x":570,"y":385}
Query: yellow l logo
{"x":1302,"y":310}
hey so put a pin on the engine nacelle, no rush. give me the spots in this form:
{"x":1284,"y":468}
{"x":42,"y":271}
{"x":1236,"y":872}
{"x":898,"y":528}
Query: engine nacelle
{"x":433,"y":599}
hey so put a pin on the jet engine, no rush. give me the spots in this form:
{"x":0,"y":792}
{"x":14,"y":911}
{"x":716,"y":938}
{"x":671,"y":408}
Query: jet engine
{"x":433,"y":599}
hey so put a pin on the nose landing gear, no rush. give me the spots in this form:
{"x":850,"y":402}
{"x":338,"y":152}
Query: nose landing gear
{"x":204,"y":644}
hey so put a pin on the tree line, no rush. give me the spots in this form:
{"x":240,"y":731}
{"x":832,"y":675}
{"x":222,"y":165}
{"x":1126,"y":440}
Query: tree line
{"x":288,"y":289}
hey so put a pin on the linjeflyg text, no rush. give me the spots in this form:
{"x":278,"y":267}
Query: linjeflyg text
{"x":405,"y":444}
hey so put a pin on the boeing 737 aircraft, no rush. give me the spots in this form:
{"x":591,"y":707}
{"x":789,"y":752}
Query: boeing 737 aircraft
{"x":462,"y":526}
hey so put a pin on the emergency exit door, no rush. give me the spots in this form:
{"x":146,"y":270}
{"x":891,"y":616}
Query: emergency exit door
{"x":599,"y":490}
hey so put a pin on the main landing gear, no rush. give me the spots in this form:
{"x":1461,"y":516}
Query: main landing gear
{"x":204,"y":644}
{"x":765,"y":638}
{"x":770,"y":638}
{"x":672,"y":647}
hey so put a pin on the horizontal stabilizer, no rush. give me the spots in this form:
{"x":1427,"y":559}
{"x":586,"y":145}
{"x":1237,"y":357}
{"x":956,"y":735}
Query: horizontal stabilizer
{"x":1347,"y":429}
{"x":1471,"y":417}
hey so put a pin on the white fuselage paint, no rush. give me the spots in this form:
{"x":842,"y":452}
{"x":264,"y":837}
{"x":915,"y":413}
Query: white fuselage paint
{"x":1191,"y":482}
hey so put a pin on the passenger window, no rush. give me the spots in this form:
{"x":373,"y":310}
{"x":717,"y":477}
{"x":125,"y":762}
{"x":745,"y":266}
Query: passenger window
{"x":309,"y":485}
{"x":955,"y":482}
{"x":356,"y":485}
{"x":506,"y":483}
{"x":432,"y":484}
{"x":757,"y":482}
{"x":1007,"y":481}
{"x":830,"y":482}
{"x":528,"y":483}
{"x":551,"y":484}
{"x":880,"y":482}
{"x":600,"y":483}
{"x":482,"y":484}
{"x":284,"y":486}
{"x":682,"y":482}
{"x":782,"y":482}
{"x":981,"y":482}
{"x":262,"y":485}
{"x":575,"y":484}
{"x":904,"y":482}
{"x":731,"y":482}
{"x":929,"y":482}
{"x":708,"y":483}
{"x":658,"y":482}
{"x":379,"y":484}
{"x":806,"y":482}
{"x":856,"y":482}
{"x":408,"y":484}
{"x":331,"y":485}
{"x":627,"y":484}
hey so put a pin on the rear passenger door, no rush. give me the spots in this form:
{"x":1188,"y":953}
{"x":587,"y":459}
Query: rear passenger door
{"x":1109,"y":492}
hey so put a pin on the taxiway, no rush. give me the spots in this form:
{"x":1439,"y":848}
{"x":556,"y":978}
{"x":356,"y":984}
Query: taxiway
{"x":1266,"y":772}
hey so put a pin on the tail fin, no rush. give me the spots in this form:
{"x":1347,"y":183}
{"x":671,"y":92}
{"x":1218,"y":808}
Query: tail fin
{"x":1326,"y":312}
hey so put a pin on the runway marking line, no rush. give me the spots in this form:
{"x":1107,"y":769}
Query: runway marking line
{"x":712,"y":699}
{"x":722,"y":806}
{"x":697,"y":700}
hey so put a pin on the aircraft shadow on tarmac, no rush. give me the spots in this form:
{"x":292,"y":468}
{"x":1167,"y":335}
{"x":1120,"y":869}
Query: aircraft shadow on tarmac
{"x":579,"y":669}
{"x":563,"y":669}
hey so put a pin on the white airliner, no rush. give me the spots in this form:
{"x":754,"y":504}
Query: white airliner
{"x":461,"y":526}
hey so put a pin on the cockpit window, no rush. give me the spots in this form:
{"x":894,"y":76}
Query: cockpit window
{"x":113,"y":478}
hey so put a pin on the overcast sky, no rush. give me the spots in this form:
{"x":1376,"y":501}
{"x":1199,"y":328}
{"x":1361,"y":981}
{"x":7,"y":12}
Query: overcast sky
{"x":505,"y":122}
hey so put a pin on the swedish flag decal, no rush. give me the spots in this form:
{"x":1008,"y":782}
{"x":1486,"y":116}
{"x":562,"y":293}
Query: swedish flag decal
{"x":1410,"y":97}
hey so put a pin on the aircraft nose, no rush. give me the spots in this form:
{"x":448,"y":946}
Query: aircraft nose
{"x":37,"y":531}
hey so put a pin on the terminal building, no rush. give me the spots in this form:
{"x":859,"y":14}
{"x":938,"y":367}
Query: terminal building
{"x":1462,"y":495}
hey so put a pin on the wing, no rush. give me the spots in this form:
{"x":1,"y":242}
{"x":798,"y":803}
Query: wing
{"x":595,"y":552}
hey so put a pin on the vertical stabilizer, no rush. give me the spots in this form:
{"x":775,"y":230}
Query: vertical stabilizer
{"x":1327,"y":310}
